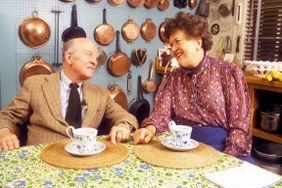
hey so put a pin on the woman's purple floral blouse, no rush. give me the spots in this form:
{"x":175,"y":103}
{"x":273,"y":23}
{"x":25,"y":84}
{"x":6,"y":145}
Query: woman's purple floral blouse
{"x":214,"y":93}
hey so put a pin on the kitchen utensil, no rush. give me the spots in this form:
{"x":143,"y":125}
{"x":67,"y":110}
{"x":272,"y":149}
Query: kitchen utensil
{"x":140,"y":108}
{"x":116,"y":2}
{"x":203,"y":8}
{"x":149,"y":85}
{"x":271,"y":152}
{"x":151,"y":3}
{"x":238,"y":44}
{"x":119,"y":63}
{"x":56,"y":40}
{"x":34,"y":67}
{"x":224,"y":10}
{"x":118,"y":95}
{"x":104,"y":33}
{"x":148,"y":30}
{"x":74,"y":31}
{"x":130,"y":31}
{"x":102,"y":57}
{"x":270,"y":121}
{"x":192,"y":3}
{"x":129,"y":82}
{"x":135,"y":3}
{"x":162,"y":36}
{"x":163,"y":5}
{"x":141,"y":55}
{"x":34,"y":31}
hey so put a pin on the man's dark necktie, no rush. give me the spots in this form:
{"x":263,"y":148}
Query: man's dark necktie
{"x":73,"y":115}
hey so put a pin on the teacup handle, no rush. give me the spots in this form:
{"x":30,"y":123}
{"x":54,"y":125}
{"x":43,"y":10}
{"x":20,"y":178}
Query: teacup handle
{"x":69,"y":131}
{"x":171,"y":124}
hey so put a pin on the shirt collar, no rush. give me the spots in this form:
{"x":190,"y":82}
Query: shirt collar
{"x":66,"y":81}
{"x":203,"y":64}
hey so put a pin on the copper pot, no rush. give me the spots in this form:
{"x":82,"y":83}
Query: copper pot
{"x":151,"y":3}
{"x":130,"y":31}
{"x":118,"y":95}
{"x":34,"y":67}
{"x":162,"y":35}
{"x":135,"y":3}
{"x":116,"y":2}
{"x":163,"y":5}
{"x":34,"y":31}
{"x":148,"y":30}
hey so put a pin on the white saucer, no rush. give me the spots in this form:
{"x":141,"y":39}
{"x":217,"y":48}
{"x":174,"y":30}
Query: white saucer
{"x":191,"y":145}
{"x":72,"y":148}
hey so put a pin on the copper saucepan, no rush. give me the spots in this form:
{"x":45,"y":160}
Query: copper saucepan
{"x":119,"y":63}
{"x":118,"y":95}
{"x":34,"y":31}
{"x":116,"y":2}
{"x":67,"y":1}
{"x":162,"y":35}
{"x":151,"y":3}
{"x":163,"y":5}
{"x":104,"y":33}
{"x":149,"y":85}
{"x":148,"y":30}
{"x":34,"y":67}
{"x":130,"y":31}
{"x":135,"y":3}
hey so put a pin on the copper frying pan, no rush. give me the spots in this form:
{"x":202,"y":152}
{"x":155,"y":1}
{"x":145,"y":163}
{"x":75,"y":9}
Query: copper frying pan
{"x":34,"y":67}
{"x":163,"y":5}
{"x":162,"y":35}
{"x":130,"y":31}
{"x":119,"y":63}
{"x":118,"y":95}
{"x":151,"y":3}
{"x":104,"y":33}
{"x":116,"y":2}
{"x":135,"y":3}
{"x":148,"y":30}
{"x":34,"y":31}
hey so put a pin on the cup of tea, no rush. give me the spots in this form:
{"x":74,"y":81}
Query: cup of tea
{"x":180,"y":135}
{"x":83,"y":138}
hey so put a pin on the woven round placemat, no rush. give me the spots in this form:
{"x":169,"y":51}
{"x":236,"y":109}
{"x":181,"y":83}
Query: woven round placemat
{"x":157,"y":154}
{"x":55,"y":154}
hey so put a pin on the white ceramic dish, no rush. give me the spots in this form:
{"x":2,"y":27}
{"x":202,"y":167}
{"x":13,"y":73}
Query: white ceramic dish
{"x":72,"y":149}
{"x":191,"y":145}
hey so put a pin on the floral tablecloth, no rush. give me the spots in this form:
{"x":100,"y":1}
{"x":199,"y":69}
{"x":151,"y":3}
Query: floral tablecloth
{"x":24,"y":168}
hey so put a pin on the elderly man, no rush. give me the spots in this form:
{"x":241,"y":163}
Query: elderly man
{"x":43,"y":103}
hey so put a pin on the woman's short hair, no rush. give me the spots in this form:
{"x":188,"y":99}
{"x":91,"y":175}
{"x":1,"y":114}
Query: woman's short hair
{"x":194,"y":25}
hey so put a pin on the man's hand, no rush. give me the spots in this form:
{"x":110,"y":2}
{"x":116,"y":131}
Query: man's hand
{"x":8,"y":140}
{"x":144,"y":135}
{"x":119,"y":133}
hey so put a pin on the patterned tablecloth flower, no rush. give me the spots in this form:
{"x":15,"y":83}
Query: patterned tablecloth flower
{"x":23,"y":168}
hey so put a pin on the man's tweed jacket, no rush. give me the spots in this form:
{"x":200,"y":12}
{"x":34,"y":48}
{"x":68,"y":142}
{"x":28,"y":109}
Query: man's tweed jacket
{"x":38,"y":106}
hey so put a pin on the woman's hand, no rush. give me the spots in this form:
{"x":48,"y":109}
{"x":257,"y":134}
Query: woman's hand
{"x":119,"y":133}
{"x":144,"y":135}
{"x":8,"y":140}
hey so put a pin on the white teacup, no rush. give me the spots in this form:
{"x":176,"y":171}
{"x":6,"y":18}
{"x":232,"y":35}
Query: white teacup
{"x":180,"y":135}
{"x":83,"y":138}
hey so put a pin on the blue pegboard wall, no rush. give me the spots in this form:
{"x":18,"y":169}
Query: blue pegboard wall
{"x":89,"y":16}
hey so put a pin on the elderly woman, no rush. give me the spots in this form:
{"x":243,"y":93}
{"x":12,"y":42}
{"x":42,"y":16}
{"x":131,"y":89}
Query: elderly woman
{"x":210,"y":95}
